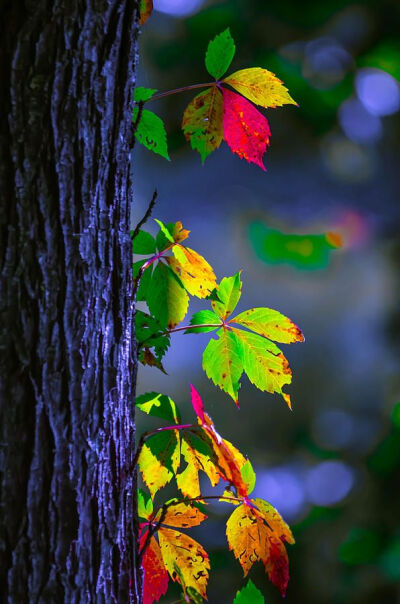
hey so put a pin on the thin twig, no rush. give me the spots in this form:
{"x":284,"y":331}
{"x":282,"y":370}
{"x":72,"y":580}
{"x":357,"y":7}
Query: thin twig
{"x":146,"y":216}
{"x":161,"y":95}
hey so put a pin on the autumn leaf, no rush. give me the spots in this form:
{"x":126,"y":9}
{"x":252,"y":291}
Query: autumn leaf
{"x":170,"y":233}
{"x":222,"y":362}
{"x":198,"y":452}
{"x":251,"y":539}
{"x":166,"y":298}
{"x":150,"y":131}
{"x":220,"y":53}
{"x":145,"y":505}
{"x":181,"y":515}
{"x":202,"y":122}
{"x":193,"y":270}
{"x":155,"y":576}
{"x":229,"y":292}
{"x":145,"y":10}
{"x":185,"y":560}
{"x":270,"y":324}
{"x":158,"y":405}
{"x":249,"y":595}
{"x":260,"y":86}
{"x":246,"y":130}
{"x":159,"y":459}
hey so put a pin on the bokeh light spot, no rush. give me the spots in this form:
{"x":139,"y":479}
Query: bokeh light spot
{"x":329,"y":482}
{"x":378,"y":91}
{"x":178,"y":8}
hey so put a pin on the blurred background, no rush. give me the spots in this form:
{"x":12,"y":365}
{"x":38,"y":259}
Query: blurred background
{"x":332,"y":466}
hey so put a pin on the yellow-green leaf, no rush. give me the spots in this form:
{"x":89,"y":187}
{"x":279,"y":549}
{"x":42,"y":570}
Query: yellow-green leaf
{"x":158,"y":405}
{"x":222,"y":362}
{"x":193,"y":270}
{"x":159,"y":459}
{"x":274,"y":520}
{"x":264,"y":363}
{"x":202,"y":122}
{"x":260,"y":86}
{"x":184,"y":553}
{"x":166,"y":298}
{"x":229,"y":292}
{"x":270,"y":324}
{"x":145,"y":505}
{"x":198,"y":453}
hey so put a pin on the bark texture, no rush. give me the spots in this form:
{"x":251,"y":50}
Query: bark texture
{"x":68,"y":371}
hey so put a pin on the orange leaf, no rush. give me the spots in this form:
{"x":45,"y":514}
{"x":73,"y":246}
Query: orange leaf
{"x":246,"y":130}
{"x":182,"y":515}
{"x":145,"y":10}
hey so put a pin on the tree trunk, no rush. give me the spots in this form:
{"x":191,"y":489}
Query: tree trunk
{"x":68,"y":369}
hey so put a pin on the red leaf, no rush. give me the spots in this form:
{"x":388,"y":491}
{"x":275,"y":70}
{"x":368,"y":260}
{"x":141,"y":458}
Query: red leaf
{"x":155,"y":574}
{"x":197,"y":403}
{"x":246,"y":130}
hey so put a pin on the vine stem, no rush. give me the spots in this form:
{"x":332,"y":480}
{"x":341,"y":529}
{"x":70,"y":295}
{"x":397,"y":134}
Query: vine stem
{"x":161,"y":95}
{"x":176,"y":329}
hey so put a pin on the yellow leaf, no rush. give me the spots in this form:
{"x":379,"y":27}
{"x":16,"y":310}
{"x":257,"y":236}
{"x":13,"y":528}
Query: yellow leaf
{"x":159,"y":460}
{"x":202,"y":121}
{"x":260,"y":86}
{"x":274,"y":520}
{"x":179,"y":234}
{"x":247,"y":535}
{"x":222,"y":362}
{"x":182,"y":515}
{"x":196,"y":451}
{"x":183,"y":553}
{"x":193,"y":270}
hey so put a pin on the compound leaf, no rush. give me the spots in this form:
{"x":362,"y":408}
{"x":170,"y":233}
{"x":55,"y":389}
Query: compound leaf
{"x":150,"y":132}
{"x":202,"y":122}
{"x":220,"y":53}
{"x":260,"y":86}
{"x":246,"y":130}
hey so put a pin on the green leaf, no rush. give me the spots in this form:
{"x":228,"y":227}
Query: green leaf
{"x":204,"y":317}
{"x":229,"y":292}
{"x":264,"y":363}
{"x":145,"y":505}
{"x":166,"y":298}
{"x":150,"y":132}
{"x":144,"y":243}
{"x":270,"y":324}
{"x":219,"y":54}
{"x":165,"y":231}
{"x":143,"y":94}
{"x":249,"y":595}
{"x":222,"y":362}
{"x":248,"y":475}
{"x":149,"y":334}
{"x":158,"y":405}
{"x":145,"y":279}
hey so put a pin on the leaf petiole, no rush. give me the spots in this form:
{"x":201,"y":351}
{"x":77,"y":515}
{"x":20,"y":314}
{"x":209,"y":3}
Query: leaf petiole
{"x":161,"y":95}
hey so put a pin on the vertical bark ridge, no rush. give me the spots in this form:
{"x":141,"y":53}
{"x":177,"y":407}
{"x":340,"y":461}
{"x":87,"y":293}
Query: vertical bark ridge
{"x":68,"y":366}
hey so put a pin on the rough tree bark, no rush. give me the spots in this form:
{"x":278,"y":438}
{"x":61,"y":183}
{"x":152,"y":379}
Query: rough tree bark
{"x":67,"y":354}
